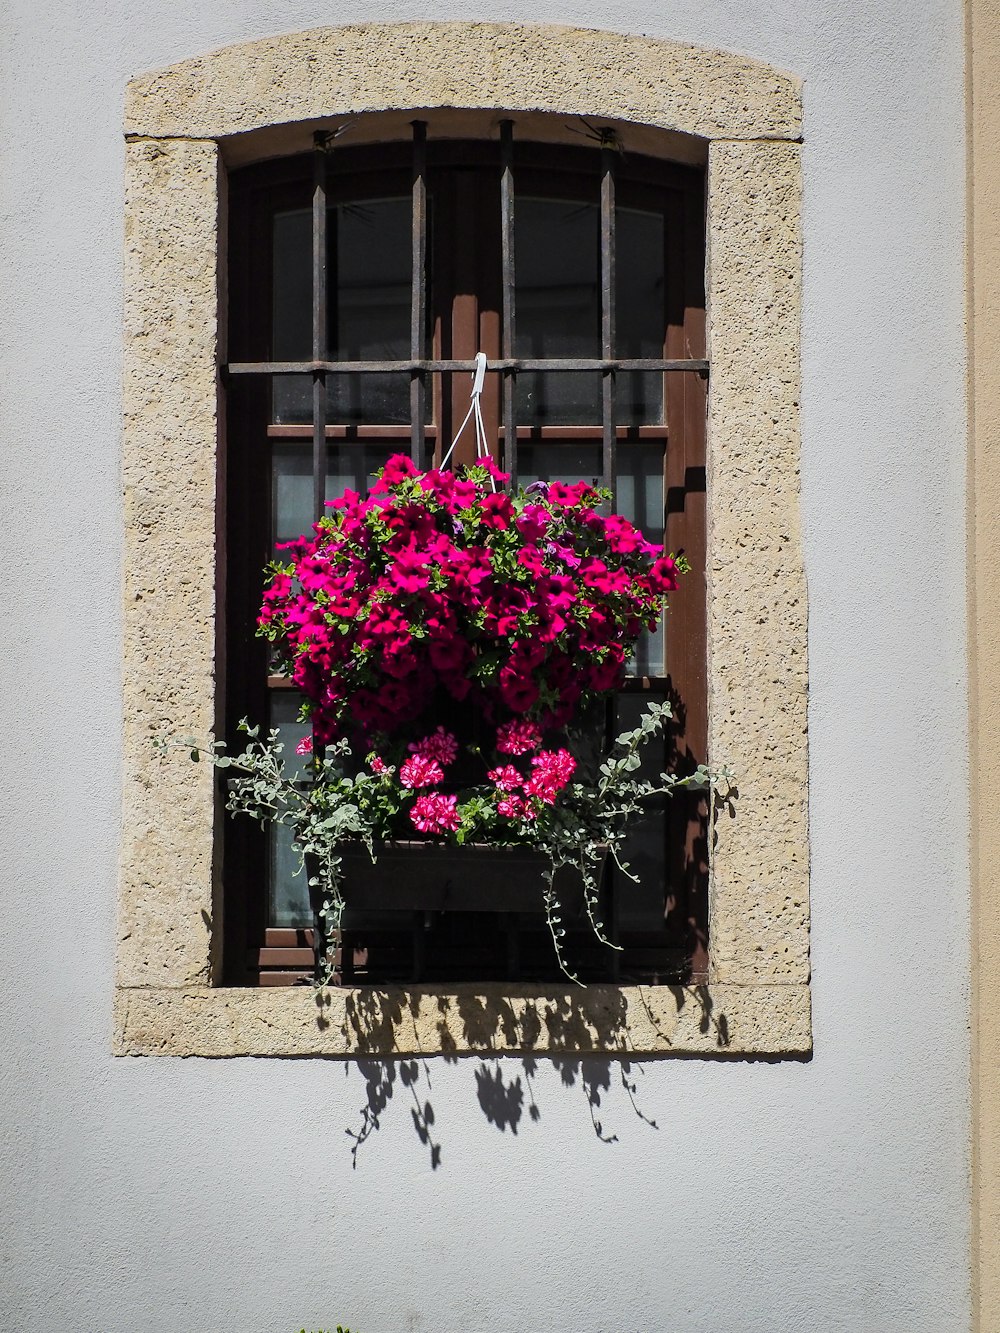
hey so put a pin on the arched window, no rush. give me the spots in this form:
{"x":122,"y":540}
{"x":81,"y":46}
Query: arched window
{"x":363,"y":281}
{"x":198,"y":520}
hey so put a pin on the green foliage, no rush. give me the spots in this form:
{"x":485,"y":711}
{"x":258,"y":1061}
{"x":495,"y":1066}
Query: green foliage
{"x":336,"y":803}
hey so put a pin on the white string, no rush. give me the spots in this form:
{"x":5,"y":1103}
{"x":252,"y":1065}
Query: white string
{"x":476,"y":412}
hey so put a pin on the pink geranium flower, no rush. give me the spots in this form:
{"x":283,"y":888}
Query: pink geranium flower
{"x":515,"y":807}
{"x":518,"y":738}
{"x":435,"y":813}
{"x":506,"y":778}
{"x":551,"y":771}
{"x":439,"y":746}
{"x":421,"y":772}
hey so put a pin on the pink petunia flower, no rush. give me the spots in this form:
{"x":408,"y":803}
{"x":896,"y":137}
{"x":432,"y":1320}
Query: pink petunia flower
{"x":305,"y":745}
{"x":518,"y":691}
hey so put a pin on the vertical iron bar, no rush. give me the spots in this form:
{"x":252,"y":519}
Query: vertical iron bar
{"x":418,"y":298}
{"x":508,"y":278}
{"x":319,"y":320}
{"x":608,"y":164}
{"x":609,"y":156}
{"x":320,"y":353}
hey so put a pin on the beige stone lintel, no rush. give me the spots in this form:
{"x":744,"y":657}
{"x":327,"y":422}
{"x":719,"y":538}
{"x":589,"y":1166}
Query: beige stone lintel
{"x":378,"y":67}
{"x":756,"y":584}
{"x":629,"y":1020}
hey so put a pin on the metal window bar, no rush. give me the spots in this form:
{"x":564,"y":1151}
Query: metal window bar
{"x":418,"y":299}
{"x":609,"y":155}
{"x":431,"y":365}
{"x":509,"y":277}
{"x":320,"y":351}
{"x":319,"y":321}
{"x":609,"y":460}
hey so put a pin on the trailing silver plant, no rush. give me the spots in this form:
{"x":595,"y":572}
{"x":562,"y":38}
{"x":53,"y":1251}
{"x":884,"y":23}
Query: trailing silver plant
{"x":336,"y":803}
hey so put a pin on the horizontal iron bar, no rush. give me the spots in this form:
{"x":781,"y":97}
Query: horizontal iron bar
{"x":630,"y":685}
{"x":509,"y":363}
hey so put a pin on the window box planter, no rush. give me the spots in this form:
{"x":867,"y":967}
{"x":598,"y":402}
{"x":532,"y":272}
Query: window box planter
{"x":422,"y":877}
{"x":433,"y":877}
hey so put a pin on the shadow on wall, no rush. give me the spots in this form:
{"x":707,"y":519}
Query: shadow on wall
{"x":503,"y":1101}
{"x":461,"y":1020}
{"x":590,"y":1019}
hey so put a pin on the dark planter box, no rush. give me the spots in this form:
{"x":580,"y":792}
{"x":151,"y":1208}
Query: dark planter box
{"x":415,"y":880}
{"x":433,"y":877}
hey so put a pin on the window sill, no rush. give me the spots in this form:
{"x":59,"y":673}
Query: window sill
{"x":717,"y":1019}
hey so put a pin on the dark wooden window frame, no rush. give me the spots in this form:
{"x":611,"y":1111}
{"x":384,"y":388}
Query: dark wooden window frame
{"x":449,"y":324}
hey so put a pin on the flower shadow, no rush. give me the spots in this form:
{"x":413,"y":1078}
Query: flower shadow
{"x":507,"y":1083}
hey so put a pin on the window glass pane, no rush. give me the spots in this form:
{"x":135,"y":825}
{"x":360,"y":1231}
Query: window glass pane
{"x":558,"y":280}
{"x":291,"y":482}
{"x":288,"y":899}
{"x":291,"y":334}
{"x":370,"y":279}
{"x":559,"y":462}
{"x":558,"y":301}
{"x":368,"y":274}
{"x":641,"y":500}
{"x":642,"y":906}
{"x":639,"y":313}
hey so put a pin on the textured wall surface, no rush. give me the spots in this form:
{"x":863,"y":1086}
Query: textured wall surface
{"x":984,"y":588}
{"x":557,"y":1193}
{"x":680,"y":87}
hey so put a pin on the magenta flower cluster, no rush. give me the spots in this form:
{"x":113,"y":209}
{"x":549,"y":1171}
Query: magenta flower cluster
{"x":525,"y":604}
{"x":516,"y":794}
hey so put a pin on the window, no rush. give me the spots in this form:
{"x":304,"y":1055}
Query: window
{"x":192,"y":128}
{"x":579,"y":272}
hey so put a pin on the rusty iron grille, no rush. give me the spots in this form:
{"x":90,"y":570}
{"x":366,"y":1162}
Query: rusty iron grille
{"x":419,"y":366}
{"x":258,"y":950}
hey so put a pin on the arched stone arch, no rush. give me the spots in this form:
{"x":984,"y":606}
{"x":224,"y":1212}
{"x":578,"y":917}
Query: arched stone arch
{"x":378,"y":67}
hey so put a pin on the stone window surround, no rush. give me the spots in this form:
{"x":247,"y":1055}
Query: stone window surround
{"x":183,"y":125}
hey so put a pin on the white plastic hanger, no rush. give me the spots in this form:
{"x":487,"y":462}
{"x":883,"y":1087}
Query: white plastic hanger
{"x":475,"y":411}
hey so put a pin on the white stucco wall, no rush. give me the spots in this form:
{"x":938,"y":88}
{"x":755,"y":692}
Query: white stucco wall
{"x":194,"y":1196}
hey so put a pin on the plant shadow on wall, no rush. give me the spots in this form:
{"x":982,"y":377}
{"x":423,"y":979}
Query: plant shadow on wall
{"x":504,"y":1092}
{"x":504,"y":1101}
